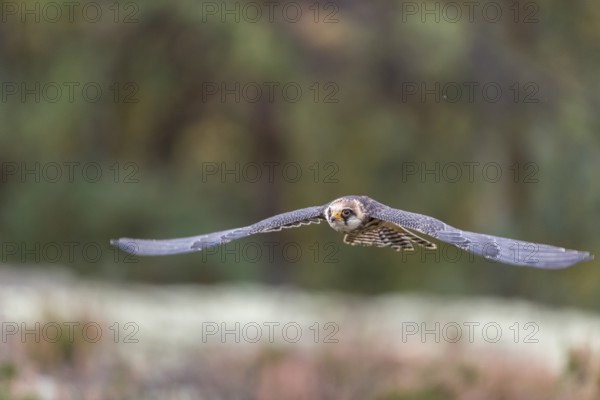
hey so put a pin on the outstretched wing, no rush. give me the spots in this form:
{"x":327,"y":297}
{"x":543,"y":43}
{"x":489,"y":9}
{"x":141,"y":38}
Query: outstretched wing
{"x":148,"y":247}
{"x":498,"y":249}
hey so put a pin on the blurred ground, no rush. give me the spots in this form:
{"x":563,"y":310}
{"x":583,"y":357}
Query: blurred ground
{"x":66,"y":338}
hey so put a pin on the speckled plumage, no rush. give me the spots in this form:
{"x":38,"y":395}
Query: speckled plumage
{"x":371,"y":223}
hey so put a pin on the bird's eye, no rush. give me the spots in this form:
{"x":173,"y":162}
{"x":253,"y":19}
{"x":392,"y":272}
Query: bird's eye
{"x":346,"y":212}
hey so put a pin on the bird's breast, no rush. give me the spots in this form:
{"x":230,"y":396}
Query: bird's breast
{"x":345,"y":226}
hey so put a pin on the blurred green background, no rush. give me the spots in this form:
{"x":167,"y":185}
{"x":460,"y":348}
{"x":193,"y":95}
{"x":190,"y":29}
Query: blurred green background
{"x":366,"y":98}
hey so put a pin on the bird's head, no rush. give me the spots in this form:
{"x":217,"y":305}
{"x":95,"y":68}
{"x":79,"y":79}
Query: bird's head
{"x":345,"y":215}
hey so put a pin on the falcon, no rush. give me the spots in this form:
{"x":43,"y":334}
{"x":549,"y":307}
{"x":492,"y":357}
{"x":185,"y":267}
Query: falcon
{"x":367,"y":222}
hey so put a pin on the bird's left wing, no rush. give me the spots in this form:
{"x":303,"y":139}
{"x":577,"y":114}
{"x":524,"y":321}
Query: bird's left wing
{"x":149,"y":247}
{"x":494,"y":248}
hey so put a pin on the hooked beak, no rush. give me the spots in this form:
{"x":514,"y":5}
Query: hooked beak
{"x":335,"y":217}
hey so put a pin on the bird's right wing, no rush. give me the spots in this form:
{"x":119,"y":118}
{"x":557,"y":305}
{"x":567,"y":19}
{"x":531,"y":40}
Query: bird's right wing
{"x":164,"y":247}
{"x":151,"y":247}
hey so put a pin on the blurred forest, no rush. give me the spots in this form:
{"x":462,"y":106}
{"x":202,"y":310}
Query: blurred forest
{"x":150,"y":104}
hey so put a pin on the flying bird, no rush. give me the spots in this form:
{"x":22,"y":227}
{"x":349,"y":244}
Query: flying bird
{"x":367,"y":222}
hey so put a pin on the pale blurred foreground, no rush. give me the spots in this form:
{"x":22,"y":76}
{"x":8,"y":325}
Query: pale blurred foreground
{"x":63,"y":338}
